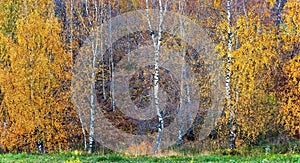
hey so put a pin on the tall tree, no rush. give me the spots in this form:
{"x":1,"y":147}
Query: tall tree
{"x":157,"y":46}
{"x":35,"y":84}
{"x":228,"y":76}
{"x":290,"y":49}
{"x":254,"y":59}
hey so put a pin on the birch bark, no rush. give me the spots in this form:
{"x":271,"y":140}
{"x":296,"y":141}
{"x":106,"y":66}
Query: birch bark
{"x":232,"y":135}
{"x":157,"y":45}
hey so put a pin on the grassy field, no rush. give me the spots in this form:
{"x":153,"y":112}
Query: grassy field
{"x":76,"y":157}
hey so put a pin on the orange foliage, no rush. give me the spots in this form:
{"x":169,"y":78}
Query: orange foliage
{"x":35,"y":83}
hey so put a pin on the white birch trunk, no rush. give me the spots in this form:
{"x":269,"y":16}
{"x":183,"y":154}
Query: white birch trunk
{"x":70,"y":26}
{"x":93,"y":84}
{"x":102,"y":67}
{"x":112,"y":70}
{"x":157,"y":46}
{"x":232,"y":135}
{"x":183,"y":79}
{"x":71,"y":49}
{"x":93,"y":98}
{"x":83,"y":131}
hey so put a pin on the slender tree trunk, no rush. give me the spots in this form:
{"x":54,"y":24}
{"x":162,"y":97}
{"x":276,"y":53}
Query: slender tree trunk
{"x":232,"y":135}
{"x":102,"y":67}
{"x":188,"y":96}
{"x":83,"y":131}
{"x":183,"y":78}
{"x":71,"y":28}
{"x":112,"y":66}
{"x":182,"y":101}
{"x":93,"y":84}
{"x":4,"y":114}
{"x":93,"y":98}
{"x":92,"y":113}
{"x":156,"y":103}
{"x":157,"y":46}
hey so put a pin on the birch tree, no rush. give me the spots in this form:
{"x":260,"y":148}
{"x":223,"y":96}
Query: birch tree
{"x":180,"y":134}
{"x":254,"y":60}
{"x":232,"y":135}
{"x":185,"y":99}
{"x":90,"y":18}
{"x":289,"y":93}
{"x":157,"y":46}
{"x":35,"y":94}
{"x":112,"y":64}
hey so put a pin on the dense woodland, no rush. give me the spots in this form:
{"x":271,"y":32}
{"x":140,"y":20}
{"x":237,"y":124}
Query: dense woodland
{"x":40,"y":40}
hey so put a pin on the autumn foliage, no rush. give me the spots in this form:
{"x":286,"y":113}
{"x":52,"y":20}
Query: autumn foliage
{"x":35,"y":77}
{"x":39,"y":41}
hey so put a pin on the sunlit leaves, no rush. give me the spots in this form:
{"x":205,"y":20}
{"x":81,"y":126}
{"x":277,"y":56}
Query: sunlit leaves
{"x":291,"y":102}
{"x":35,"y":103}
{"x":254,"y":56}
{"x":35,"y":67}
{"x":290,"y":50}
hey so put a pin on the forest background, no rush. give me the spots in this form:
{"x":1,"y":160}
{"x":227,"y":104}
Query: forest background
{"x":258,"y":42}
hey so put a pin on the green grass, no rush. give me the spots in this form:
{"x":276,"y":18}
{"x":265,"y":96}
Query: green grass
{"x":74,"y":157}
